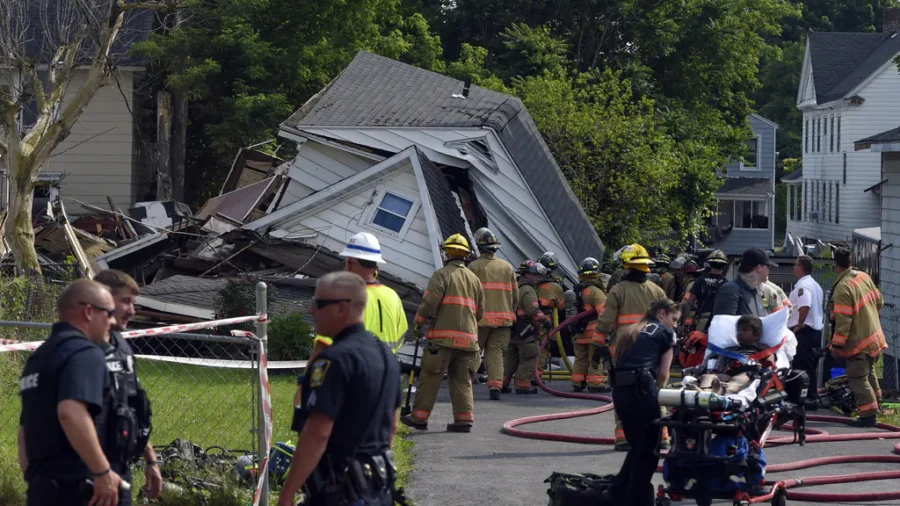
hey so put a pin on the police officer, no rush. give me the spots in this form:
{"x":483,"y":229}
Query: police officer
{"x":524,"y":345}
{"x":551,"y":297}
{"x":453,"y":303}
{"x":642,"y":360}
{"x":122,"y":368}
{"x":62,"y":388}
{"x":501,"y":293}
{"x":347,"y":407}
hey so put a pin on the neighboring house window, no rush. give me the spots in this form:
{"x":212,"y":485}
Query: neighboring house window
{"x":831,"y":136}
{"x":845,"y":168}
{"x":825,"y":132}
{"x":806,"y":136}
{"x":837,"y":203}
{"x":812,"y":146}
{"x":839,"y":133}
{"x":752,"y":214}
{"x":394,"y":212}
{"x":751,"y":156}
{"x":819,"y":134}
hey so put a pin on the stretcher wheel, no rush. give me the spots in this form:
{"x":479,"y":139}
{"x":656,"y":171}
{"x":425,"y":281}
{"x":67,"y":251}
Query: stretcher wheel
{"x":663,"y":501}
{"x":780,"y":498}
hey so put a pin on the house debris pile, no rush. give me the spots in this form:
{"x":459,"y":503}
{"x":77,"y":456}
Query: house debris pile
{"x":183,"y":260}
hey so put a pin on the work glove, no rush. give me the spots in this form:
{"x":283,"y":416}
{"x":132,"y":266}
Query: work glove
{"x":547,"y":324}
{"x":418,"y":330}
{"x":598,"y":353}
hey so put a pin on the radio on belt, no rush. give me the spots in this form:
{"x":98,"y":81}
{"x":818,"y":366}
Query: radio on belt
{"x":708,"y":401}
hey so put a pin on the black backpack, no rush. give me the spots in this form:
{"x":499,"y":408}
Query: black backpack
{"x":583,"y":489}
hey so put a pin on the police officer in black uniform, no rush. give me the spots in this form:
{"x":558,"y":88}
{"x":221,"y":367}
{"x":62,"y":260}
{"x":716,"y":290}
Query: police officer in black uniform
{"x":347,"y":406}
{"x":127,"y":389}
{"x":643,"y":357}
{"x":62,"y":390}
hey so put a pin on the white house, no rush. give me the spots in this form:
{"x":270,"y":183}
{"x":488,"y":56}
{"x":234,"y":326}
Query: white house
{"x":413,"y":157}
{"x":849,"y":90}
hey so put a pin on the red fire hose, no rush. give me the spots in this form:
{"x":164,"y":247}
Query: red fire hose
{"x":816,"y":436}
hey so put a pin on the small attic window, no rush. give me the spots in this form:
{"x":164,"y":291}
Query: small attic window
{"x":394,"y":212}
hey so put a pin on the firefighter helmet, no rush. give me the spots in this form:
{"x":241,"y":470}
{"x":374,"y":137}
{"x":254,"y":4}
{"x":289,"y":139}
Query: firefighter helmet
{"x":717,"y":257}
{"x":457,"y":244}
{"x":363,"y":246}
{"x":663,"y":260}
{"x":589,"y":267}
{"x":486,"y":240}
{"x":549,"y":261}
{"x":639,"y":259}
{"x":624,"y":254}
{"x":691,"y":267}
{"x":532,"y":267}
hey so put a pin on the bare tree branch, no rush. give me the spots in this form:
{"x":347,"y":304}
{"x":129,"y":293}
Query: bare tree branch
{"x":151,"y":6}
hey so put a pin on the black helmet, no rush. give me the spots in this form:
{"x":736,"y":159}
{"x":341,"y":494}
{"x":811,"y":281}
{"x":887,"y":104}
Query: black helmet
{"x":532,"y":267}
{"x":486,"y":240}
{"x":662,"y":260}
{"x":549,"y":261}
{"x":589,"y":267}
{"x":717,"y":258}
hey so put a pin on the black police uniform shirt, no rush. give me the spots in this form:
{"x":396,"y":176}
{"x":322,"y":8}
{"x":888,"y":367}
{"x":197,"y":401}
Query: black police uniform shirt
{"x":81,"y":376}
{"x":654,"y":340}
{"x":344,"y":383}
{"x":120,"y":363}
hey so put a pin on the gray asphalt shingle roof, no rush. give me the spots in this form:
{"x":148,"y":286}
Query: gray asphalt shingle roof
{"x":737,"y":186}
{"x":882,"y":138}
{"x":374,"y":91}
{"x":841,"y":61}
{"x":202,"y":292}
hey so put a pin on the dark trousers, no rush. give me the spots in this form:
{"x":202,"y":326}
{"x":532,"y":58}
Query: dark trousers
{"x":48,"y":492}
{"x":637,"y":412}
{"x":808,"y":339}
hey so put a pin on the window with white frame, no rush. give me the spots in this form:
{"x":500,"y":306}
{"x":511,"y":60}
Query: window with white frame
{"x":750,"y":160}
{"x":831,"y":136}
{"x":806,"y":136}
{"x":746,"y":214}
{"x":819,"y":134}
{"x":392,"y":213}
{"x":812,"y":145}
{"x":839,"y":132}
{"x":825,"y":133}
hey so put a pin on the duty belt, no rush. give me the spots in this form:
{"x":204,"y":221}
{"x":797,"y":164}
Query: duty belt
{"x":630,"y":377}
{"x":335,"y":484}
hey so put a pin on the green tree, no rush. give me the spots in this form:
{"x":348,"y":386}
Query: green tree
{"x":531,"y":51}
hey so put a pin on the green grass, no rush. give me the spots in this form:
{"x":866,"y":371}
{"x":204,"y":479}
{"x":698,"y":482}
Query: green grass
{"x":204,"y":405}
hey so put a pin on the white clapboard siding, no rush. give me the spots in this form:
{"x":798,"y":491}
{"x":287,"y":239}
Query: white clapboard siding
{"x":334,"y":222}
{"x":890,"y":234}
{"x":317,"y":167}
{"x":879,"y":112}
{"x":96,"y":160}
{"x":507,"y":183}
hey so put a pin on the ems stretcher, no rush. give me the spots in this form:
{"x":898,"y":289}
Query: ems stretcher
{"x":718,"y":438}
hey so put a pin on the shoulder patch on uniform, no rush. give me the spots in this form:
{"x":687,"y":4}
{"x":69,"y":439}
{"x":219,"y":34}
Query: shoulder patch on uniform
{"x":319,"y":370}
{"x":800,"y":292}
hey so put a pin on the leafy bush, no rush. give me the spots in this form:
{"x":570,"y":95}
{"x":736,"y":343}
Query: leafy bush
{"x":290,"y":337}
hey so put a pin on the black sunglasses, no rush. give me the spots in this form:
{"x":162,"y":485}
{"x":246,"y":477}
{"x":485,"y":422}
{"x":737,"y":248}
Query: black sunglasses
{"x":323,"y":303}
{"x":110,"y":312}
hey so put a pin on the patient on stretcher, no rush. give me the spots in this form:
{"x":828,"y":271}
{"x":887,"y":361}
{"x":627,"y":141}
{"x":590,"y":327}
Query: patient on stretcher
{"x":719,"y":378}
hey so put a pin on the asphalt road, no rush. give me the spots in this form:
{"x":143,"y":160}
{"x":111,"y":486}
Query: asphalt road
{"x":487,"y":467}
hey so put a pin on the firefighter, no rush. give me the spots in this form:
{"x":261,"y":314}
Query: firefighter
{"x":453,"y":303}
{"x":524,"y":345}
{"x":589,"y":296}
{"x":774,"y":298}
{"x":550,"y":297}
{"x":626,"y":304}
{"x":855,"y":306}
{"x":702,"y":294}
{"x":689,"y":274}
{"x":619,"y":259}
{"x":501,"y":294}
{"x":670,"y":286}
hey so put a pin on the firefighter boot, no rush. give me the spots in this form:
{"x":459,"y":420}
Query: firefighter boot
{"x":463,"y":427}
{"x":415,"y":424}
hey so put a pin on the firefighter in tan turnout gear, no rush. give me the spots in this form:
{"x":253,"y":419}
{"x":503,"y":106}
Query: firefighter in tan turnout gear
{"x":531,"y":322}
{"x":452,"y":305}
{"x":589,"y":296}
{"x":626,"y":304}
{"x":855,"y":306}
{"x":501,"y":294}
{"x":551,"y":298}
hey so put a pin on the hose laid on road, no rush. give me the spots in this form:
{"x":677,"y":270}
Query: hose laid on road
{"x":815,"y":436}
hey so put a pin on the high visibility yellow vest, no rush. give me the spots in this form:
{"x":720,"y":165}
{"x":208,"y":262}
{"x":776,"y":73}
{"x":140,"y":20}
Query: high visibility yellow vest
{"x":384,"y":317}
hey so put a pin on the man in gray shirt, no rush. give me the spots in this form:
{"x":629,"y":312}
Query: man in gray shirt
{"x":742,"y":296}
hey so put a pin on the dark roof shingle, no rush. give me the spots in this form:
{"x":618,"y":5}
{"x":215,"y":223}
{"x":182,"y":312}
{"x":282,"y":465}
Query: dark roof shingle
{"x":202,"y":293}
{"x":841,"y":61}
{"x":737,"y":186}
{"x":374,"y":91}
{"x":882,"y":138}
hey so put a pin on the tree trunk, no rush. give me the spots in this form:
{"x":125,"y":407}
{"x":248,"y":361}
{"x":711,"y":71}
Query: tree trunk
{"x":163,"y":146}
{"x":179,"y":143}
{"x":19,"y":230}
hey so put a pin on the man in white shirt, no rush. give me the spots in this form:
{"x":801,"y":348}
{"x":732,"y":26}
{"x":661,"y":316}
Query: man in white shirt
{"x":806,"y":322}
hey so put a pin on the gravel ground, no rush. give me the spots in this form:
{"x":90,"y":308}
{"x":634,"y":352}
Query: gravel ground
{"x":486,"y":467}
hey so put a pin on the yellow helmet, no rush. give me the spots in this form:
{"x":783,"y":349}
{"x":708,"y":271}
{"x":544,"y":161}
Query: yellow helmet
{"x":639,"y":258}
{"x":456,"y":243}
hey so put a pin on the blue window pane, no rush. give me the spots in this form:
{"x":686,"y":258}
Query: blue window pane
{"x":389,"y":221}
{"x":395,"y":204}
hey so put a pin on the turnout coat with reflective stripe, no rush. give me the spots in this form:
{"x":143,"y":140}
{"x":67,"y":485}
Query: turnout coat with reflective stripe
{"x":855,"y":306}
{"x":592,"y":297}
{"x":626,"y":304}
{"x":501,"y":292}
{"x":550,"y":295}
{"x":454,"y":300}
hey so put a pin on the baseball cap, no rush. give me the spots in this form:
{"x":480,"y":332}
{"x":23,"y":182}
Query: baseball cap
{"x":754,"y":257}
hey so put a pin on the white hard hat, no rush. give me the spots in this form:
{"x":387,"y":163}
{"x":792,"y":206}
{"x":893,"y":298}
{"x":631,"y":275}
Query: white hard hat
{"x":363,"y":246}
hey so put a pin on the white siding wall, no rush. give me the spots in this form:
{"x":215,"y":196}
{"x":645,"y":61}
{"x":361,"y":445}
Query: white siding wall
{"x":878,"y":113}
{"x":96,"y":158}
{"x":318,"y":166}
{"x":336,"y":221}
{"x":890,"y":234}
{"x":508,"y":185}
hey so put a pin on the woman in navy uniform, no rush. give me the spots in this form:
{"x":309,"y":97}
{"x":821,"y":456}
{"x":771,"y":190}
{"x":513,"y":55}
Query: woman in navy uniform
{"x":643,"y":356}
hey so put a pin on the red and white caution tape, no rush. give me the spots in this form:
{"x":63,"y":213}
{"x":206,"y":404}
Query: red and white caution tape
{"x":266,"y":396}
{"x":11,"y":345}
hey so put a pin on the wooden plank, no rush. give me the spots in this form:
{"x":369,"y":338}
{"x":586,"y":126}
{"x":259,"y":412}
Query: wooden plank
{"x":87,"y":267}
{"x":127,"y":227}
